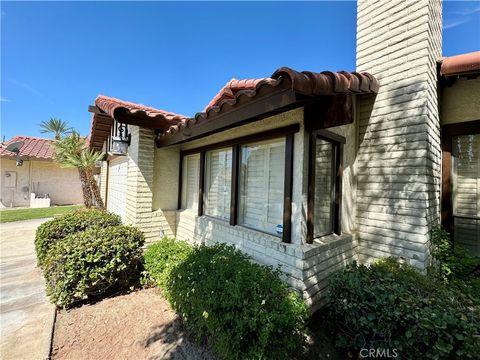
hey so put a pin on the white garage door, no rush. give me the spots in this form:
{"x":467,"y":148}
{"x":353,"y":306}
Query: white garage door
{"x":117,"y":186}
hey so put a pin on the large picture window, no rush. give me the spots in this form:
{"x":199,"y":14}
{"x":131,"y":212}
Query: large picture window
{"x":245,"y":181}
{"x":190,"y":181}
{"x":324,"y":200}
{"x":261,"y":186}
{"x":218,"y":180}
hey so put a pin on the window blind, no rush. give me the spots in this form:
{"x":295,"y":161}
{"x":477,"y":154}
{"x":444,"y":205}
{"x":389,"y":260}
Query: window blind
{"x":218,"y":179}
{"x":190,"y":181}
{"x":262,"y":186}
{"x":466,"y":191}
{"x":324,"y":188}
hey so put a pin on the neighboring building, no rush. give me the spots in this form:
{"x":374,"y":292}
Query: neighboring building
{"x":39,"y":174}
{"x":313,"y":170}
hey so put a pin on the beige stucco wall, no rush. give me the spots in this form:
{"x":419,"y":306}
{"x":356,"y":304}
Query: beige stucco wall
{"x":460,"y":101}
{"x":62,"y":184}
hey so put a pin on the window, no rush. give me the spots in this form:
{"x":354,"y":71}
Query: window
{"x":324,"y":188}
{"x":262,"y":173}
{"x":466,"y":191}
{"x":324,"y":184}
{"x":190,"y":179}
{"x":218,"y":180}
{"x":246,"y":181}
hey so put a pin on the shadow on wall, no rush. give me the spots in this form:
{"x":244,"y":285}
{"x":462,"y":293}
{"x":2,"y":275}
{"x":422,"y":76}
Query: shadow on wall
{"x":398,"y":167}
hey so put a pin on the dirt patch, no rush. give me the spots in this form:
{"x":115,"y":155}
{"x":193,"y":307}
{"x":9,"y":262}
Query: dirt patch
{"x":139,"y":325}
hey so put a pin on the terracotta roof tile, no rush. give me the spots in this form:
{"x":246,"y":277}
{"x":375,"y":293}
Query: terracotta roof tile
{"x":463,"y":64}
{"x":110,"y":105}
{"x":231,"y":88}
{"x":306,"y":83}
{"x":35,"y":148}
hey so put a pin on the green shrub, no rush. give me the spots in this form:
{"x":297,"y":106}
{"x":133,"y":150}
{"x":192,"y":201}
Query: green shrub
{"x":161,"y":257}
{"x":452,"y":262}
{"x":88,"y":264}
{"x":51,"y":231}
{"x":243,"y":308}
{"x":392,"y":306}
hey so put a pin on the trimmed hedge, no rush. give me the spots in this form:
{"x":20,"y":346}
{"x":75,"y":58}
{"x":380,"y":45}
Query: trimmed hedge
{"x":392,"y":306}
{"x":56,"y":229}
{"x":243,"y":308}
{"x":94,"y":262}
{"x":162,"y":256}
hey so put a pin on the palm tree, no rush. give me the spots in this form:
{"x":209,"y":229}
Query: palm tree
{"x":71,"y":151}
{"x":87,"y":161}
{"x":55,"y":126}
{"x":67,"y":150}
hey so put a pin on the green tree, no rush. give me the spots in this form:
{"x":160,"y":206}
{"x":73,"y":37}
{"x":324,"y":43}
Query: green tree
{"x":72,"y":151}
{"x":55,"y":126}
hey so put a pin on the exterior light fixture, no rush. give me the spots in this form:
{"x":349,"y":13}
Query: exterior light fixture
{"x":121,"y":142}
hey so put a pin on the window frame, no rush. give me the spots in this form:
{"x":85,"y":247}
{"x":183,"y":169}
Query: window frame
{"x":337,"y":163}
{"x":284,"y":132}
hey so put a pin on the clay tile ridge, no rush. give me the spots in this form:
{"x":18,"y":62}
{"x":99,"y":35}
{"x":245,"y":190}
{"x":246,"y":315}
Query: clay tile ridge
{"x":33,"y":147}
{"x":306,"y":83}
{"x":463,"y":64}
{"x":110,"y":105}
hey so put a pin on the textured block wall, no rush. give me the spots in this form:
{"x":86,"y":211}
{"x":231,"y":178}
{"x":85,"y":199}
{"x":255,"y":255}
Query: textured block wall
{"x":140,"y":186}
{"x":399,"y":156}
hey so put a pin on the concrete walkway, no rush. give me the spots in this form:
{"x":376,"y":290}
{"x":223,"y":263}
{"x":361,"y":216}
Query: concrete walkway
{"x":26,"y":315}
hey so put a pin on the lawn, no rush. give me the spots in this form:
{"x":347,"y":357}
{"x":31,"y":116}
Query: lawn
{"x":27,"y":214}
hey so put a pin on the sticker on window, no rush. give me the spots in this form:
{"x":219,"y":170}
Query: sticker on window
{"x":279,"y":229}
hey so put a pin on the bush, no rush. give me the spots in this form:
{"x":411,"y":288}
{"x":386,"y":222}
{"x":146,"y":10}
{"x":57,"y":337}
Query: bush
{"x":243,"y":308}
{"x":51,"y":231}
{"x":94,"y":262}
{"x":392,"y":306}
{"x":161,"y":257}
{"x":452,"y":262}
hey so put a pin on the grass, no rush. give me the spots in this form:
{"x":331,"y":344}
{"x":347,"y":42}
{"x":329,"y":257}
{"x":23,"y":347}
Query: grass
{"x":27,"y":214}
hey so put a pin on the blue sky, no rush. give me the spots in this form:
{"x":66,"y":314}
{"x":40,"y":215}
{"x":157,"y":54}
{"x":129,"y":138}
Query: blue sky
{"x":57,"y":56}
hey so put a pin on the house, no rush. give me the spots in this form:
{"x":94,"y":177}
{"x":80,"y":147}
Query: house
{"x":311,"y":170}
{"x":39,"y":181}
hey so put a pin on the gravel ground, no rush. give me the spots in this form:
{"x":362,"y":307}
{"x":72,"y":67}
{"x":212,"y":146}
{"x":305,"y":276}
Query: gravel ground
{"x":139,"y":325}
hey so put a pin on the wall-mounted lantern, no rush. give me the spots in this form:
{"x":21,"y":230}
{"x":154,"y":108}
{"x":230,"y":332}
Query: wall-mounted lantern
{"x":121,"y":142}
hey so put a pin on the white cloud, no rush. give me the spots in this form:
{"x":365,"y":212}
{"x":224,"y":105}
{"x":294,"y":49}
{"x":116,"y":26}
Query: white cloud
{"x":454,"y":23}
{"x":27,"y":87}
{"x":466,"y":11}
{"x":2,"y":99}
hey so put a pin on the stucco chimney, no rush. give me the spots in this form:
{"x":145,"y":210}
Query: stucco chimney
{"x":399,"y":157}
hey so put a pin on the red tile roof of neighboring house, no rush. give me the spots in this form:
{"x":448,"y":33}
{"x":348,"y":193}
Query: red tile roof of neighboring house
{"x":110,"y":105}
{"x":34,"y":148}
{"x":463,"y":64}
